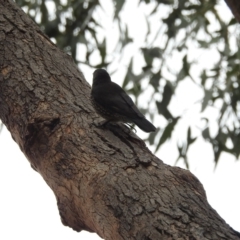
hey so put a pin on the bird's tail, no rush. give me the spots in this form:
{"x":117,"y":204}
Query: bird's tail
{"x":144,"y":124}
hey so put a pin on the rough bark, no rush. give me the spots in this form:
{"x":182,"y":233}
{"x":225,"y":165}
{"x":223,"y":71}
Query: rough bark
{"x":234,"y":5}
{"x":105,"y":180}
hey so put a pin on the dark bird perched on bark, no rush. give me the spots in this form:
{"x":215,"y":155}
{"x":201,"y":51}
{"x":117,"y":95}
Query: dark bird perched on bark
{"x":113,"y":103}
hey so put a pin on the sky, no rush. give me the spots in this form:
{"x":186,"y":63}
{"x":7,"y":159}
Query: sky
{"x":28,"y":207}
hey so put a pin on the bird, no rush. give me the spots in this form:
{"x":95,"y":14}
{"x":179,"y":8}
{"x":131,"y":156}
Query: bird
{"x":112,"y":103}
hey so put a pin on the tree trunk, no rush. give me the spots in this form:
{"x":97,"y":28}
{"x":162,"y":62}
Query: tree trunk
{"x":234,"y":5}
{"x":105,"y":180}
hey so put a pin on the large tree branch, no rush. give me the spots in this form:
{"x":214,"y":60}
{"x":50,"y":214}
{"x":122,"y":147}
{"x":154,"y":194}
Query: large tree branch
{"x":234,"y":5}
{"x":105,"y":180}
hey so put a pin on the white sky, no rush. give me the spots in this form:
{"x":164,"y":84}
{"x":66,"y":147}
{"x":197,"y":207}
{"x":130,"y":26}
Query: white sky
{"x":28,"y":207}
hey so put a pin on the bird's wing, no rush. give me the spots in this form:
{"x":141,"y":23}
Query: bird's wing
{"x":131,"y":104}
{"x":117,"y":101}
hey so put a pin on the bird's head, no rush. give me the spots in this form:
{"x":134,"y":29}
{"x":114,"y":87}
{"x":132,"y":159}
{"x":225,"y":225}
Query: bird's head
{"x":100,"y":76}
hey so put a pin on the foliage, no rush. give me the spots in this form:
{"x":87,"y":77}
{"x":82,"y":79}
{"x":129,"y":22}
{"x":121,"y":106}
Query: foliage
{"x":183,"y":25}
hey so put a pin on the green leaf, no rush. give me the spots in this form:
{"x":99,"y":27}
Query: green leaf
{"x":118,"y":7}
{"x":167,"y":94}
{"x":190,"y":140}
{"x":206,"y":134}
{"x":103,"y":50}
{"x":152,"y":136}
{"x":162,"y":109}
{"x":155,"y":80}
{"x":206,"y":99}
{"x":203,"y":77}
{"x":129,"y":74}
{"x":167,"y":132}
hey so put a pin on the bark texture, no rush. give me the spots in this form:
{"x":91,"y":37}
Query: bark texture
{"x":234,"y":5}
{"x":105,"y":180}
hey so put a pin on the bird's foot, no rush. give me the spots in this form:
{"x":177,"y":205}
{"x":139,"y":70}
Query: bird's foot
{"x":131,"y":127}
